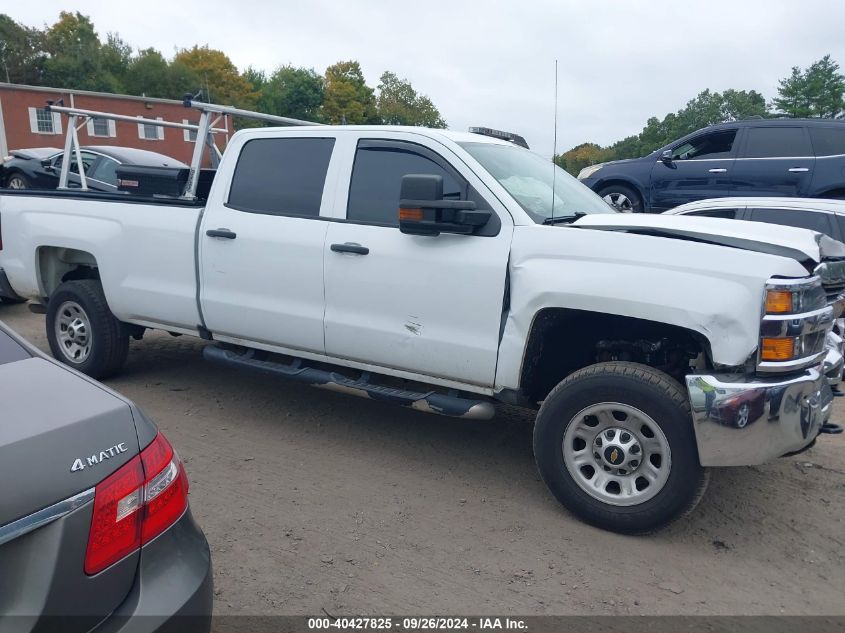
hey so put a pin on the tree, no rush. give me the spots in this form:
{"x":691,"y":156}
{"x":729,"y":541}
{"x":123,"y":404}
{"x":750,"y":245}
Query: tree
{"x":115,"y":57}
{"x":582,"y":156}
{"x":150,"y":75}
{"x":21,"y":53}
{"x":347,"y":97}
{"x":295,"y":92}
{"x":399,"y":104}
{"x":74,"y":56}
{"x":815,"y":92}
{"x":217,"y":75}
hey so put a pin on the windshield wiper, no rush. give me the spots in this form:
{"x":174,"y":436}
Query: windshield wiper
{"x":564,"y":219}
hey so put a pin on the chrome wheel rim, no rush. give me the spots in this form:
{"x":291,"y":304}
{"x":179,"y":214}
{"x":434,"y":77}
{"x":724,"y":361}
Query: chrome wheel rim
{"x":742,"y":416}
{"x":73,"y":332}
{"x":620,"y":201}
{"x":617,"y":454}
{"x":16,"y":182}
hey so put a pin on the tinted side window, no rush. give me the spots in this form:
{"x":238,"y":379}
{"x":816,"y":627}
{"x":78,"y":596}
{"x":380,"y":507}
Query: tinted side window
{"x":713,"y":145}
{"x":281,"y":176}
{"x":106,"y":171}
{"x":773,"y":142}
{"x":88,"y":159}
{"x":813,"y":220}
{"x":377,"y":179}
{"x":828,"y":141}
{"x":717,"y":213}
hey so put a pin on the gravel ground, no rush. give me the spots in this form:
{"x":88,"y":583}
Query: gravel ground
{"x":317,"y":501}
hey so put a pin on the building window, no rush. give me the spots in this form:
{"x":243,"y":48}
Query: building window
{"x":42,"y":121}
{"x":150,"y":131}
{"x":189,"y":135}
{"x":101,"y":127}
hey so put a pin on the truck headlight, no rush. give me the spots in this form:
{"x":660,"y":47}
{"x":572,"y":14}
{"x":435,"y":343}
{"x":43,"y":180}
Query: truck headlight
{"x":589,"y":171}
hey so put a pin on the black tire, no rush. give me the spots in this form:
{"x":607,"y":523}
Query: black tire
{"x":23,"y":180}
{"x":109,"y":344}
{"x":652,"y":392}
{"x":617,"y":194}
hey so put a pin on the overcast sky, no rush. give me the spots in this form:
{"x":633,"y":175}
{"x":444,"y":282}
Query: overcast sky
{"x":491,"y":63}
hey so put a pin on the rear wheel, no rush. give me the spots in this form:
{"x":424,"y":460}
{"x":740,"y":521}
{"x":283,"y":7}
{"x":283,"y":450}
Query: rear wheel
{"x":82,"y":331}
{"x":18,"y":181}
{"x":614,"y":443}
{"x":623,"y":198}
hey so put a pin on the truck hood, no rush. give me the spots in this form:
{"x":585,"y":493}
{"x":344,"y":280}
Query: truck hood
{"x":802,"y":245}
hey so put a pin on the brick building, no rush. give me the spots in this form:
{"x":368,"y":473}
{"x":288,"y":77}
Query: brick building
{"x":25,"y":123}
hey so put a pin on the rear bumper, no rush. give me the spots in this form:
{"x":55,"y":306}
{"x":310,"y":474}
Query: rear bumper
{"x":173,"y":590}
{"x":6,"y":291}
{"x":743,"y":421}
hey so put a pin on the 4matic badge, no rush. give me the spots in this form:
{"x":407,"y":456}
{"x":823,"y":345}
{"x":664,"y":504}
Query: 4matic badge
{"x":97,"y":458}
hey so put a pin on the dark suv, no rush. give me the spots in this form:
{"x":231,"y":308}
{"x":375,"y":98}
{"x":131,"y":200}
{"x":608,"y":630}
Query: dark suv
{"x":760,"y":157}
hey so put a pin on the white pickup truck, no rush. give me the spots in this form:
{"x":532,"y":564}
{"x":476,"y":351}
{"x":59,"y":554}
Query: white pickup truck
{"x":444,"y":271}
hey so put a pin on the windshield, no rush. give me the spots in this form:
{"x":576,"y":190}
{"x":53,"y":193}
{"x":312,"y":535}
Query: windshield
{"x":529,"y":179}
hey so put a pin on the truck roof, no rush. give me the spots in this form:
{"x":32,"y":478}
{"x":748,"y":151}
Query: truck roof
{"x":452,"y":135}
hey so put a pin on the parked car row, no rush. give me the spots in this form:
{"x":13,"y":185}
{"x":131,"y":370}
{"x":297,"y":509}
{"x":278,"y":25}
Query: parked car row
{"x":40,"y":167}
{"x":761,"y":157}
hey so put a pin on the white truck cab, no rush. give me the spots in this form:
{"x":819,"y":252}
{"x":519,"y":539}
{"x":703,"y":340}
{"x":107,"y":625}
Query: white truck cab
{"x":446,"y":271}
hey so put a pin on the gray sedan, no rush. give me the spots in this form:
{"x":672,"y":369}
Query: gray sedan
{"x":95,"y":528}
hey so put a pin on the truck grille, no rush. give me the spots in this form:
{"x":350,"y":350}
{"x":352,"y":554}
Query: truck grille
{"x":832,"y":274}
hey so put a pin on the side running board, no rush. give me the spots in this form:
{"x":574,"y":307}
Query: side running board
{"x":429,"y":402}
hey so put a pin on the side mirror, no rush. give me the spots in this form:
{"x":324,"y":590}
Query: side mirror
{"x":423,"y":211}
{"x":666,"y":157}
{"x":47,"y":164}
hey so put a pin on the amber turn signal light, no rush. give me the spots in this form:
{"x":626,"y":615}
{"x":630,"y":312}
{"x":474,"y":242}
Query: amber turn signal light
{"x":414,"y":215}
{"x":777,"y":348}
{"x":778,"y":301}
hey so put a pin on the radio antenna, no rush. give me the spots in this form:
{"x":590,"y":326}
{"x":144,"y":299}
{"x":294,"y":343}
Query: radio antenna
{"x":554,"y":148}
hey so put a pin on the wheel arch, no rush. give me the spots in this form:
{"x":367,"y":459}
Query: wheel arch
{"x":624,"y":181}
{"x":562,"y":340}
{"x":57,"y":264}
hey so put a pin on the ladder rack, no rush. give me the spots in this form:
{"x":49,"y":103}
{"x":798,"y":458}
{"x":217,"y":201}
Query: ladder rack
{"x":206,"y":128}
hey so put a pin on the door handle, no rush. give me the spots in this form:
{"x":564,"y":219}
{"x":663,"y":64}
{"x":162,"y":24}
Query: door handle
{"x":718,"y":170}
{"x":798,"y":170}
{"x":224,"y":233}
{"x":349,"y":247}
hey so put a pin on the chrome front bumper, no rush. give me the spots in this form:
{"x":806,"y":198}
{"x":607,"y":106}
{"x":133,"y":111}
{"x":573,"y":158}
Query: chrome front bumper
{"x":834,"y":361}
{"x":748,"y":420}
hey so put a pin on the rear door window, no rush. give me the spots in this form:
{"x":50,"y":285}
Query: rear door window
{"x":828,"y":141}
{"x":777,"y":142}
{"x":106,"y":171}
{"x":281,"y":176}
{"x":813,"y":220}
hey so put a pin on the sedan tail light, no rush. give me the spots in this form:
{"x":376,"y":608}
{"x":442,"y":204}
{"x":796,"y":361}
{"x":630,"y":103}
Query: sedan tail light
{"x":135,"y":504}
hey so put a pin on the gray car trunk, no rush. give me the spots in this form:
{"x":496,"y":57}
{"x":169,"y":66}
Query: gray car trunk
{"x":49,"y":418}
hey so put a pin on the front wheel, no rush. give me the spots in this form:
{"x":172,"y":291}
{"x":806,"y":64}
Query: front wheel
{"x":614,"y":442}
{"x":82,"y":331}
{"x":18,"y":181}
{"x":622,"y":198}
